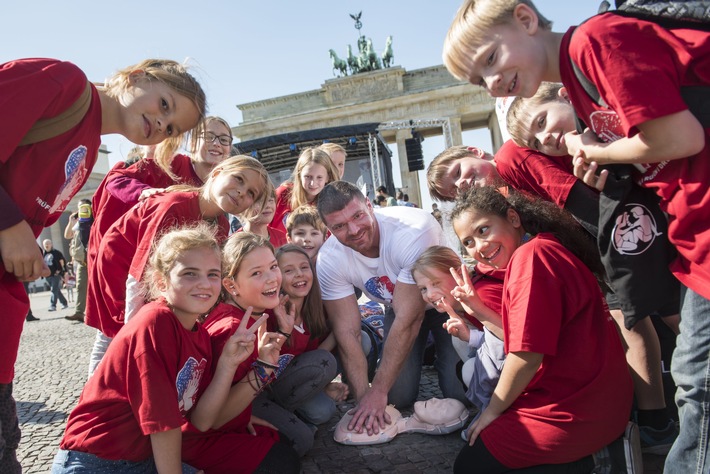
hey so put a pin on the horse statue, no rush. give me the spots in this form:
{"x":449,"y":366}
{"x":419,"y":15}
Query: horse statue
{"x":372,"y":57}
{"x":352,"y":61}
{"x":388,"y":54}
{"x":340,"y":67}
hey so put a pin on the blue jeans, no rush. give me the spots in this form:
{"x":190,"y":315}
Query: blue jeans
{"x":405,"y":390}
{"x":75,"y":462}
{"x":55,"y":284}
{"x":690,"y":368}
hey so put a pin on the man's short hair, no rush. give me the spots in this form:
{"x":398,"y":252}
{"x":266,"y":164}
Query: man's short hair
{"x":335,"y":196}
{"x":382,"y":189}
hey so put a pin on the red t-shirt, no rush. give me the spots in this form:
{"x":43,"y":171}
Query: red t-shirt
{"x":121,"y":187}
{"x":580,"y":398}
{"x":299,"y":342}
{"x":549,"y":177}
{"x":283,"y":207}
{"x":150,"y":378}
{"x":488,"y":283}
{"x":277,"y":237}
{"x":125,"y":250}
{"x":38,"y":180}
{"x":643,"y":84}
{"x":231,"y":448}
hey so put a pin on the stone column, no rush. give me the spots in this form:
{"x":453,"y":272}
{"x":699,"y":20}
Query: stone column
{"x":496,"y":136}
{"x":456,"y":137}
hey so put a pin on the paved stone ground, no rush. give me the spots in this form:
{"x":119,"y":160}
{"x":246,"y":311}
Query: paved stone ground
{"x":51,"y":370}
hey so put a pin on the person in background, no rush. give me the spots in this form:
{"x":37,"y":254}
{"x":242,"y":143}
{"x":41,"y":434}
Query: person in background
{"x":77,"y":231}
{"x":337,"y":154}
{"x":382,"y":191}
{"x":57,"y":267}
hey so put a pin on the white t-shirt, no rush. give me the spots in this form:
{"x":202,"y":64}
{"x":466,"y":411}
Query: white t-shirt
{"x":405,"y":233}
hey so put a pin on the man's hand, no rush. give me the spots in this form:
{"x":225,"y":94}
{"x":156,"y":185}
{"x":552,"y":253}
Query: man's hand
{"x":20,"y":254}
{"x":370,"y":413}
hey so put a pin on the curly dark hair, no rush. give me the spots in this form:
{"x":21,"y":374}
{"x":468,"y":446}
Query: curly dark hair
{"x":536,"y":216}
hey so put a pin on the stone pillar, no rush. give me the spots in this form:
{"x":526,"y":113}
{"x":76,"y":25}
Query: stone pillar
{"x":56,"y":232}
{"x":410,"y":180}
{"x":456,"y":137}
{"x":496,"y":136}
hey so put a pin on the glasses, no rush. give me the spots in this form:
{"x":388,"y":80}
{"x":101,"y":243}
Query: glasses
{"x":224,"y":140}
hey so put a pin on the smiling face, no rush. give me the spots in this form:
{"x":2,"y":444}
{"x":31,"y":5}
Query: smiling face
{"x":211,"y":150}
{"x":193,"y":284}
{"x":338,"y":159}
{"x":308,"y":238}
{"x":152,"y":111}
{"x":257,"y":281}
{"x":550,"y":122}
{"x":355,"y":226}
{"x":235,"y":192}
{"x":297,"y":275}
{"x":510,"y":60}
{"x":314,"y":177}
{"x":436,"y":285}
{"x":464,"y":173}
{"x":489,"y":238}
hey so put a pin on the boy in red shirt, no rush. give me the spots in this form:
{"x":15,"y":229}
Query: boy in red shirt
{"x":509,"y":48}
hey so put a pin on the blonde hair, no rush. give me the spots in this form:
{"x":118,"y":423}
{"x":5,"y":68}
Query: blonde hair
{"x":308,"y":156}
{"x":469,"y":26}
{"x":313,"y":313}
{"x":231,"y":165}
{"x":437,"y":257}
{"x":238,"y":246}
{"x":331,"y":148}
{"x":519,"y":118}
{"x":170,"y":247}
{"x":174,"y":75}
{"x":440,"y":166}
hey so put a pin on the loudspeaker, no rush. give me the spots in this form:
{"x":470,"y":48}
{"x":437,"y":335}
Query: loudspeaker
{"x":415,"y":159}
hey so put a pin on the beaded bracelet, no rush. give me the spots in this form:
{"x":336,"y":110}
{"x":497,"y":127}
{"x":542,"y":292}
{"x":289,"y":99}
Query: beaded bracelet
{"x":263,"y":363}
{"x":262,"y":376}
{"x":287,"y":335}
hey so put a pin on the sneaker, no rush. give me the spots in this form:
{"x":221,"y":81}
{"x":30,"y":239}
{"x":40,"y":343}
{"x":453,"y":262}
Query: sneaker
{"x":658,"y":441}
{"x":52,"y":309}
{"x":65,"y":307}
{"x":75,"y":317}
{"x":622,"y":455}
{"x":31,"y":317}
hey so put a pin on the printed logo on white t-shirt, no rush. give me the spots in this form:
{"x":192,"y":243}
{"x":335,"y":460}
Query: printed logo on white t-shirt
{"x":380,"y":287}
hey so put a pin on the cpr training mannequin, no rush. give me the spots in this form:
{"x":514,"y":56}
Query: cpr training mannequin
{"x":435,"y":416}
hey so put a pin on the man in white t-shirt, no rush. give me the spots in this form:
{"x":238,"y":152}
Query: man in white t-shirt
{"x":374,"y":251}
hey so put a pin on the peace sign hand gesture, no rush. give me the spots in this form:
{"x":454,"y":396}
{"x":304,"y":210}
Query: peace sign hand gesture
{"x":464,"y":292}
{"x":240,"y":344}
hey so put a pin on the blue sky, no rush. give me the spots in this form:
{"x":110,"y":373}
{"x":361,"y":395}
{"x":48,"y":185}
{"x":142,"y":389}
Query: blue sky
{"x":241,"y":51}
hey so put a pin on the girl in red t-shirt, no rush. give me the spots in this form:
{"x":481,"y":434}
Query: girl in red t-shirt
{"x":156,"y":374}
{"x":113,"y":293}
{"x":153,"y":101}
{"x":241,"y":442}
{"x":124,"y":185}
{"x":564,"y":391}
{"x":314,"y":169}
{"x":305,"y":387}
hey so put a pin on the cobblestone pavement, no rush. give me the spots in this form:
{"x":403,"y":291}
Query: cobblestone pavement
{"x":51,"y":370}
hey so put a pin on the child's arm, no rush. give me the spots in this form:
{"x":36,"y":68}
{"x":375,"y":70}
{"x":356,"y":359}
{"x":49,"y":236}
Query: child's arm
{"x":243,"y":392}
{"x":518,"y":371}
{"x":237,"y":349}
{"x":472,"y":303}
{"x":328,"y":343}
{"x":670,"y":137}
{"x":20,"y":253}
{"x":167,"y":449}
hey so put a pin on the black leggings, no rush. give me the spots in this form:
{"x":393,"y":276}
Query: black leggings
{"x":478,"y":459}
{"x":281,"y":459}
